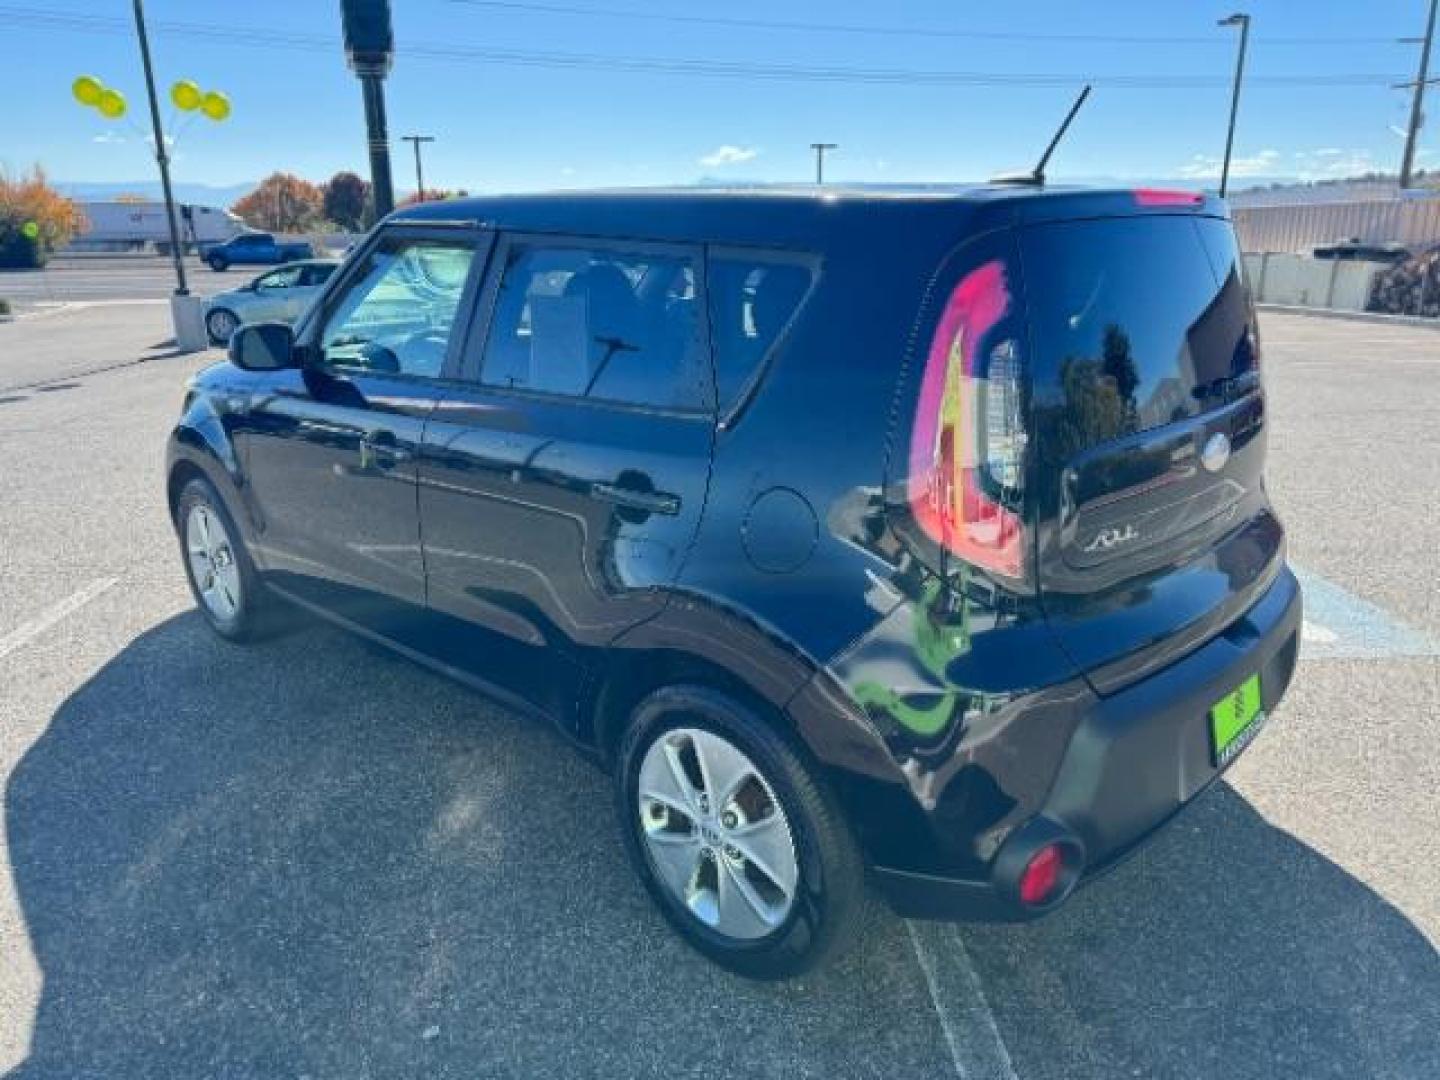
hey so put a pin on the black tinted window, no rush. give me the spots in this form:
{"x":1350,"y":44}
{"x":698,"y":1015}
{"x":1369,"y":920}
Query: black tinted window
{"x":1133,"y":327}
{"x":599,"y":323}
{"x":751,"y":303}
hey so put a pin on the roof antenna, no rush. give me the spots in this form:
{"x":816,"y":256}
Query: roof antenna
{"x":1036,"y":176}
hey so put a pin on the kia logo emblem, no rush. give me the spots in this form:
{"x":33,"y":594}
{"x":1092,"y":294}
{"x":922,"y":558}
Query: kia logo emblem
{"x":1216,"y":452}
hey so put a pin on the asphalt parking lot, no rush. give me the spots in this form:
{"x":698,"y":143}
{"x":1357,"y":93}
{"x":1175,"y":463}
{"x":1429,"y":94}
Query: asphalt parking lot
{"x":309,"y":858}
{"x":75,"y":278}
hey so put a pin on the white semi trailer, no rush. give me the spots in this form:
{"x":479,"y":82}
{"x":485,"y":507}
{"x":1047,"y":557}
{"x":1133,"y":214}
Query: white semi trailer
{"x":132,"y":226}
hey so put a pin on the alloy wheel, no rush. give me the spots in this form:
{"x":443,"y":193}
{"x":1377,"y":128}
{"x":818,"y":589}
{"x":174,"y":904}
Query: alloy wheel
{"x":716,"y":834}
{"x":212,"y":562}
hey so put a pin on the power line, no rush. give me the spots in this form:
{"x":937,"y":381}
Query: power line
{"x":737,"y":22}
{"x":686,"y":66}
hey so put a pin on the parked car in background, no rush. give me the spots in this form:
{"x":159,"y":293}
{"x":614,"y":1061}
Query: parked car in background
{"x":1355,"y":248}
{"x":256,"y":249}
{"x":917,"y":536}
{"x":277,"y":296}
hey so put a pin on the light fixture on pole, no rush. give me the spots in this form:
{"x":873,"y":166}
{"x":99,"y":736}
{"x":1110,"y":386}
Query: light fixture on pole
{"x":1241,"y":20}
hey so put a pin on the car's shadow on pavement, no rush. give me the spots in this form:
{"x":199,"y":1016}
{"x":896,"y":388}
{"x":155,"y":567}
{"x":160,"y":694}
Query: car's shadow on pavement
{"x":310,"y":859}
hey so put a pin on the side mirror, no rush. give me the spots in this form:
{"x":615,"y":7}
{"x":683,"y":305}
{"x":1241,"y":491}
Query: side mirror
{"x":263,"y":347}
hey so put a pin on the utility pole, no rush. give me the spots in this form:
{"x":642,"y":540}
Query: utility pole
{"x":416,"y":140}
{"x":162,"y":156}
{"x":1417,"y":105}
{"x":370,"y":50}
{"x":820,"y":148}
{"x":1241,"y":20}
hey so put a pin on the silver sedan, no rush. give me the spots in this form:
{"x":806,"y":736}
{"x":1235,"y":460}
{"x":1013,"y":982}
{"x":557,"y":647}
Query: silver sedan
{"x":279,"y":295}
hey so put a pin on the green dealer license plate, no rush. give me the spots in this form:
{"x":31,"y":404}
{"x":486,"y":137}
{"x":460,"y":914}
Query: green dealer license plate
{"x":1234,"y":721}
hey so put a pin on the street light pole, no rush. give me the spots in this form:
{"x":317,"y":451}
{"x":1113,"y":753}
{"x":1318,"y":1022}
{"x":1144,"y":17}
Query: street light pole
{"x":1417,"y":104}
{"x":416,"y":140}
{"x":820,"y":148}
{"x":1241,"y":20}
{"x":370,"y":49}
{"x":162,"y":156}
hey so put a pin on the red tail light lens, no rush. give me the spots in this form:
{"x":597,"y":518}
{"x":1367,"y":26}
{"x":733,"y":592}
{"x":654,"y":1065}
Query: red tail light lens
{"x":968,"y":443}
{"x":1160,"y":197}
{"x":1041,"y":878}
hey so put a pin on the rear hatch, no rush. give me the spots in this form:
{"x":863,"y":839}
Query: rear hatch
{"x":1146,"y":429}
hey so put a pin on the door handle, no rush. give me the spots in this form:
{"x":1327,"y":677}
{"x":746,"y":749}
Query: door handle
{"x":645,"y":502}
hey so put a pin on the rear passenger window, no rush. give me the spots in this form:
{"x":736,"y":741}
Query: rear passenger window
{"x":751,"y":304}
{"x":599,"y":323}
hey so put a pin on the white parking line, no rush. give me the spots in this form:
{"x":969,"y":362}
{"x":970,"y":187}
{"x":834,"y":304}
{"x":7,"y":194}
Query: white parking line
{"x":27,"y":632}
{"x":976,"y":1048}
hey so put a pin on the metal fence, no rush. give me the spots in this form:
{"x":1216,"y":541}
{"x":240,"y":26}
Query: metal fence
{"x":1414,"y":222}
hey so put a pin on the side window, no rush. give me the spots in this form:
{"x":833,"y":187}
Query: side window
{"x":599,"y":323}
{"x":751,"y":303}
{"x":287,"y":278}
{"x":396,"y":315}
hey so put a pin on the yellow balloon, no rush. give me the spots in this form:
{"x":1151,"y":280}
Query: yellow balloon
{"x":216,"y":105}
{"x":186,"y":96}
{"x":87,"y":90}
{"x":111,"y":104}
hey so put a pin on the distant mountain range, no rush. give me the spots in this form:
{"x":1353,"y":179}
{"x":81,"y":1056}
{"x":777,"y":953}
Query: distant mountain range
{"x":202,"y":194}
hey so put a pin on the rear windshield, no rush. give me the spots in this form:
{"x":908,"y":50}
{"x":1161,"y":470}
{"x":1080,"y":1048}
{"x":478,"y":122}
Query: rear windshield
{"x":1135,"y":322}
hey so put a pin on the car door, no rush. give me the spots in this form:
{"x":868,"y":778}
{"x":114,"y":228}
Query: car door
{"x":273,"y":296}
{"x":331,"y":448}
{"x":562,"y":482}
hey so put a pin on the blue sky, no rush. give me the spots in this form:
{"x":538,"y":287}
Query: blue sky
{"x":504,"y":126}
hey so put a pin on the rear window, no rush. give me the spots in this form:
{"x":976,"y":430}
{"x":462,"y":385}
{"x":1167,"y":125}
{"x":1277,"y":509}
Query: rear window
{"x":1135,"y":323}
{"x":753,"y":300}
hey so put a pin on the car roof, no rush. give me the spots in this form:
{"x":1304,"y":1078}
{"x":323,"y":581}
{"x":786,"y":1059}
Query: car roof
{"x":776,"y":214}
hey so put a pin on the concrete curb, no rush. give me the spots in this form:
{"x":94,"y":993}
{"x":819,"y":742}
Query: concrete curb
{"x":1354,"y":316}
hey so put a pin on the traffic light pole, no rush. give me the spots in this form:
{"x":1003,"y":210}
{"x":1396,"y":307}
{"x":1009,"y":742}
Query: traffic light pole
{"x":162,"y":156}
{"x":372,"y":83}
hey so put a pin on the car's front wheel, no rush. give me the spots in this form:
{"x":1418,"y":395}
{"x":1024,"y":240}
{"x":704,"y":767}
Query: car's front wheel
{"x":734,"y":836}
{"x":218,"y":263}
{"x":220,"y":324}
{"x":223,"y":580}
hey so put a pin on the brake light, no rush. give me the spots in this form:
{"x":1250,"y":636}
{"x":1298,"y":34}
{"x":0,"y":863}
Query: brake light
{"x":1161,"y":197}
{"x":968,"y":442}
{"x":1040,"y":880}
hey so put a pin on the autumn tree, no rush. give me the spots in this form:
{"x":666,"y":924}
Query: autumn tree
{"x":283,"y":203}
{"x":35,"y":219}
{"x":346,"y":196}
{"x":433,"y":195}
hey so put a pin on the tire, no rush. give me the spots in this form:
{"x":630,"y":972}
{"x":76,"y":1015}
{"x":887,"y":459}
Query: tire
{"x":218,"y":263}
{"x":220,"y":324}
{"x":249,"y":613}
{"x":770,"y":936}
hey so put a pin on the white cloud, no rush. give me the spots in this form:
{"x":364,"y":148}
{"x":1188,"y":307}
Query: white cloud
{"x":729,"y":155}
{"x":1206,"y":167}
{"x":108,"y":137}
{"x":1332,"y":163}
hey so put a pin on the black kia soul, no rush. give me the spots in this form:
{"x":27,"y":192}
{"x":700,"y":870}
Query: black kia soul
{"x":917,"y":536}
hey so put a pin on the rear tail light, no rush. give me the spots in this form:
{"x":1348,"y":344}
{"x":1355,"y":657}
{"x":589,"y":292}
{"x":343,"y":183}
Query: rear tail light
{"x":967,"y":450}
{"x":1041,"y":879}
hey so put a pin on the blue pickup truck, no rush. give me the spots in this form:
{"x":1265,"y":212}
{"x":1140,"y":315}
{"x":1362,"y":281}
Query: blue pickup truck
{"x":257,"y":249}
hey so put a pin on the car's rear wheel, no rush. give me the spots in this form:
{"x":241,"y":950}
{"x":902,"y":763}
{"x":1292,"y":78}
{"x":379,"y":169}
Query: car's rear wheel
{"x":735,"y":838}
{"x":221,"y":324}
{"x":222,"y":578}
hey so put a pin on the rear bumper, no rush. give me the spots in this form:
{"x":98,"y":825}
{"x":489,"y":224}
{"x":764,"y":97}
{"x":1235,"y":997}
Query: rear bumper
{"x":1136,"y":759}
